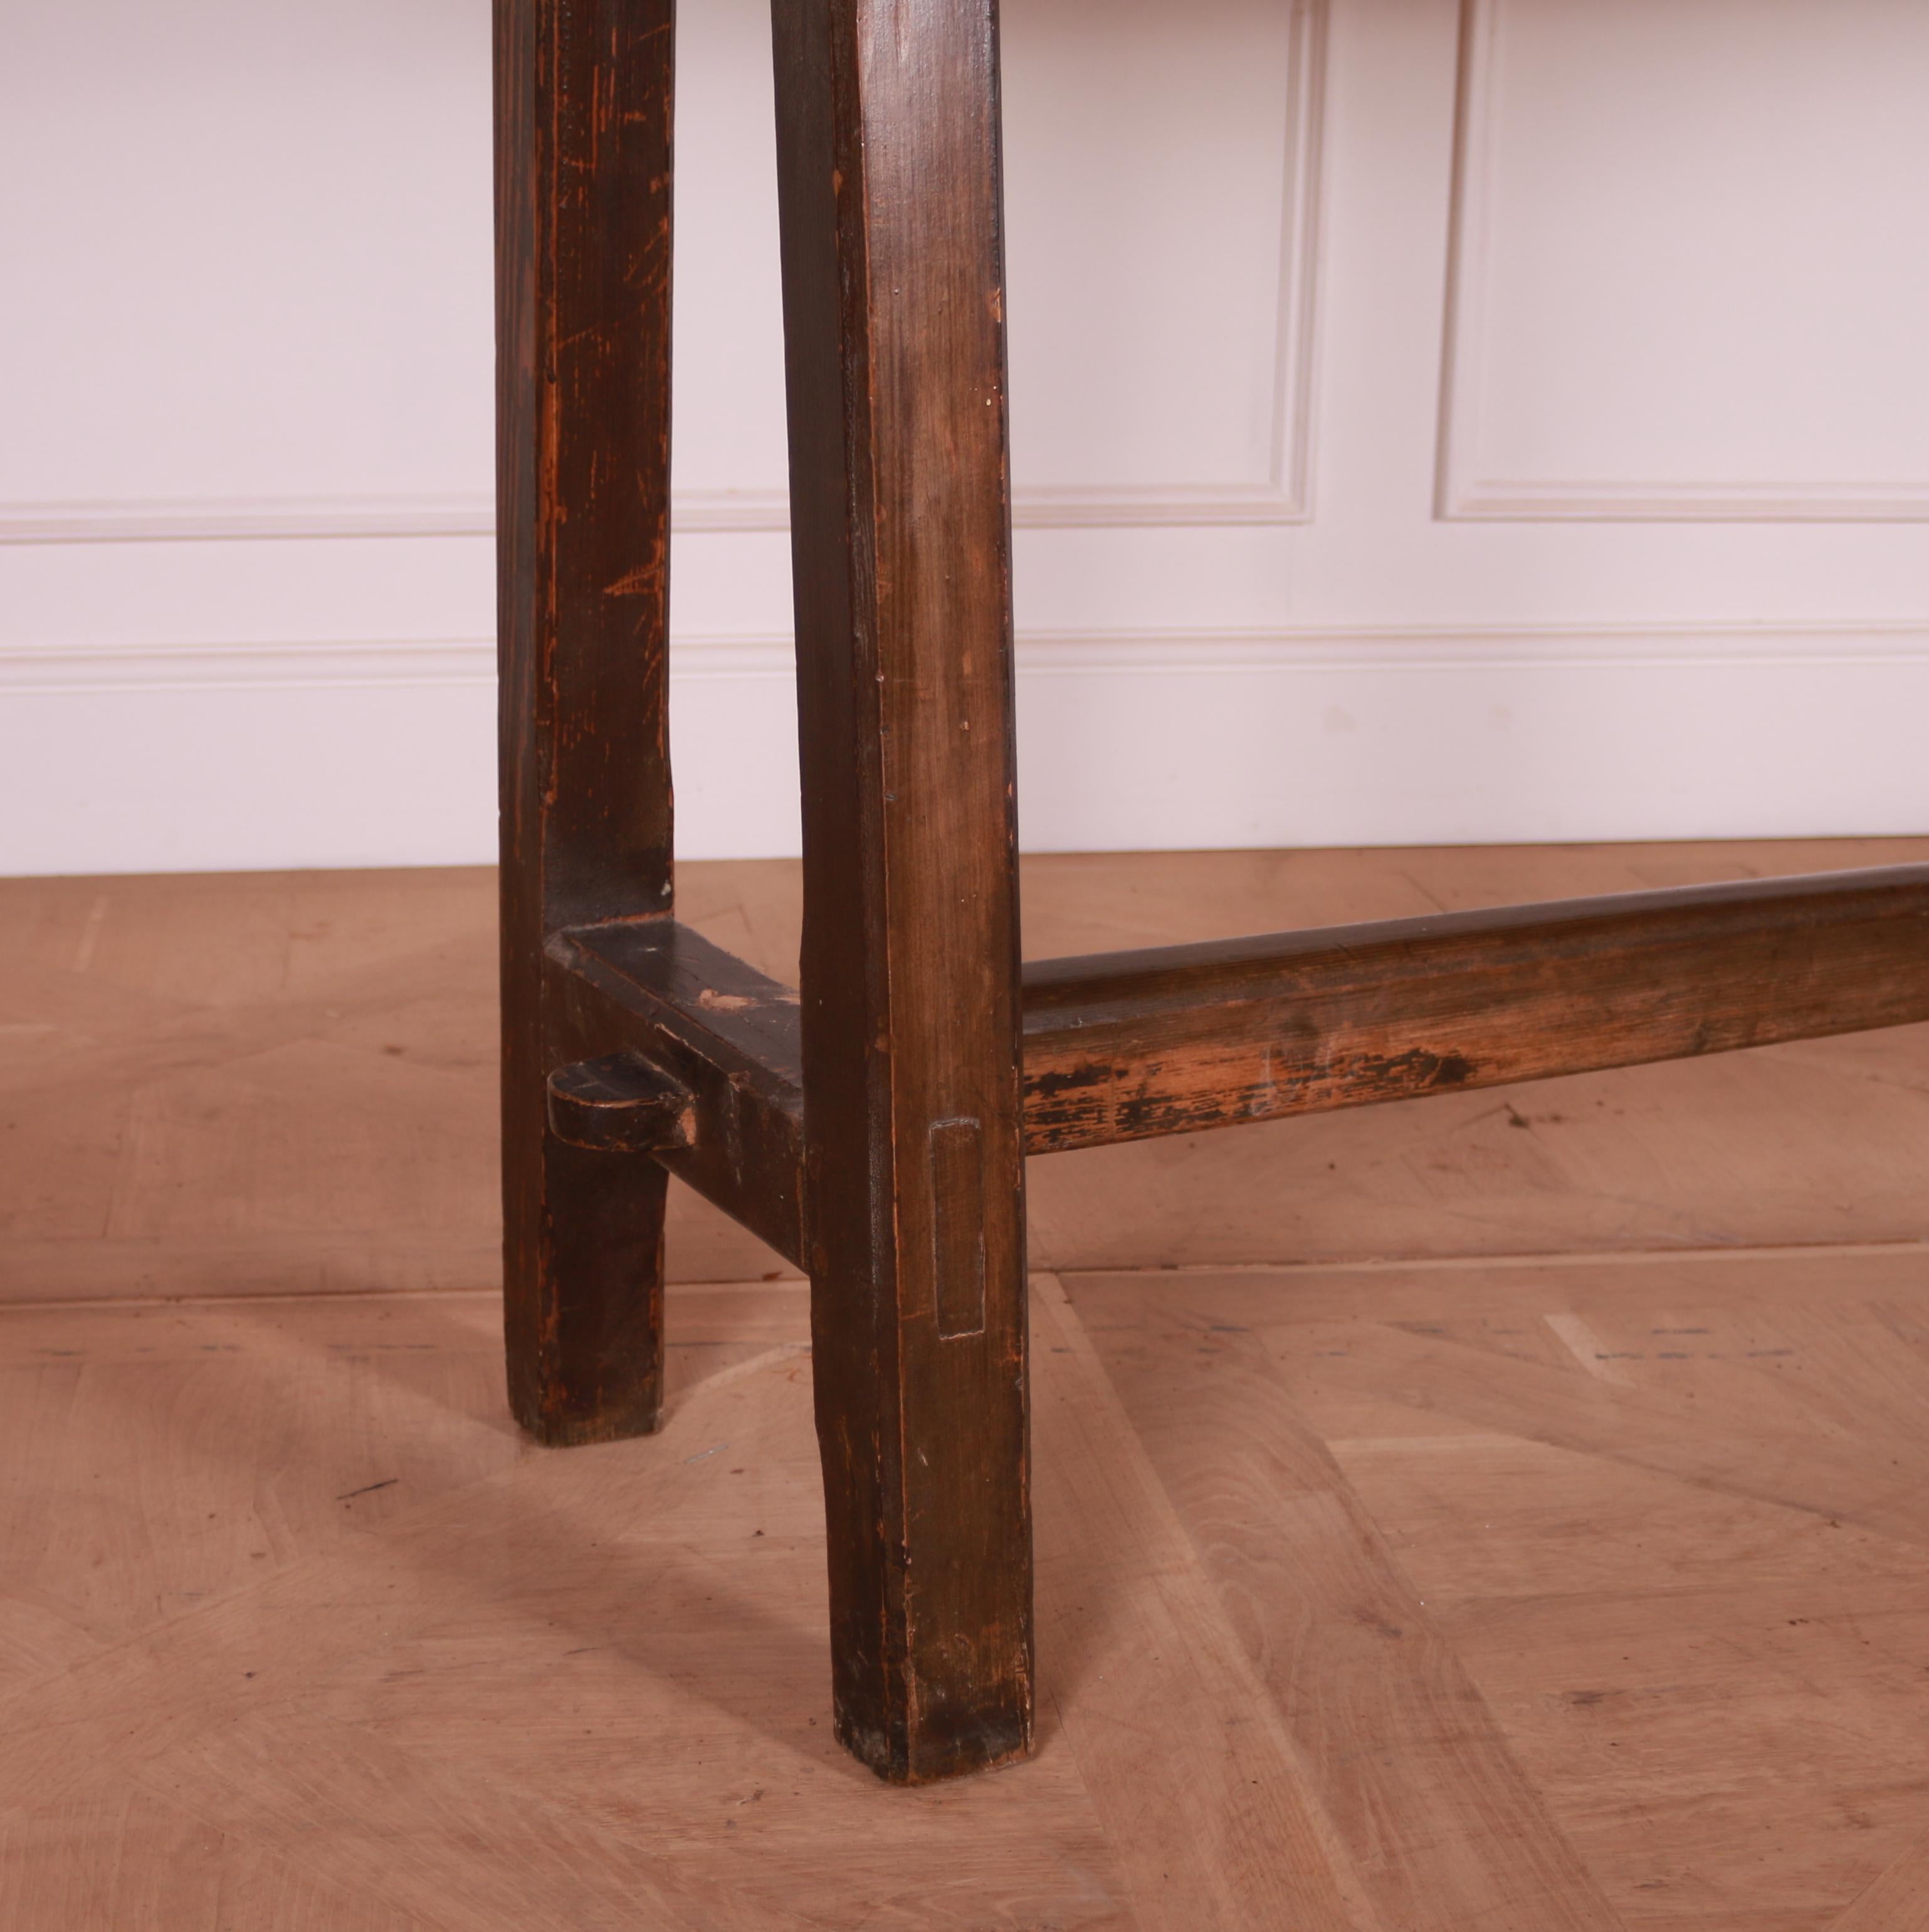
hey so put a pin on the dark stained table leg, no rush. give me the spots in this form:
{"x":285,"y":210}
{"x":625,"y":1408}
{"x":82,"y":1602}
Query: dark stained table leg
{"x":888,"y":174}
{"x":877,"y":1130}
{"x":583,"y":96}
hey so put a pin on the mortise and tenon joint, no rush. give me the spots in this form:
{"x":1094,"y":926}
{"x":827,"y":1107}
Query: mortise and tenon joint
{"x":872,"y":1126}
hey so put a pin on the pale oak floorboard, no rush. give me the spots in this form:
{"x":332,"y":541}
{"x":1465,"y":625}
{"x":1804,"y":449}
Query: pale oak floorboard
{"x":1607,"y":1396}
{"x":1718,"y":1694}
{"x":1207,"y":1798}
{"x":467,"y":1710}
{"x":1446,"y":1829}
{"x":1799,"y":1469}
{"x":1898,"y":1901}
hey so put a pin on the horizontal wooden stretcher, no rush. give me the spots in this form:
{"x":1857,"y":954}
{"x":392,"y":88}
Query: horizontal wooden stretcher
{"x":873,"y":1124}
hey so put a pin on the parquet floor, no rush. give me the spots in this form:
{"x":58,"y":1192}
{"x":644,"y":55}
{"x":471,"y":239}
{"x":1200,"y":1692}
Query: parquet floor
{"x":1498,"y":1513}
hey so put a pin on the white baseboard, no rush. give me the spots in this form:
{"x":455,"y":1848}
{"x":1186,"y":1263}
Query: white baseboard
{"x":187,"y":758}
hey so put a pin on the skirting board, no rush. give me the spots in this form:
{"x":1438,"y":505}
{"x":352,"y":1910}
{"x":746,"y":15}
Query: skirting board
{"x":165,"y":758}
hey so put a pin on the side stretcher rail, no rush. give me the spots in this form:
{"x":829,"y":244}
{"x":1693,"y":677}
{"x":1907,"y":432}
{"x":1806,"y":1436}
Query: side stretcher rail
{"x":693,"y":1054}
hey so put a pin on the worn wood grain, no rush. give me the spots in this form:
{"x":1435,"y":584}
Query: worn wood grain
{"x":620,"y":1103}
{"x":1173,"y":1039}
{"x":1136,"y":1044}
{"x":727,"y":1035}
{"x":257,"y":1084}
{"x":889,"y":197}
{"x":584,"y":92}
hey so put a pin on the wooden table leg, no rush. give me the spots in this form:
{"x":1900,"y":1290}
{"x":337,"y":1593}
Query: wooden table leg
{"x":889,"y":171}
{"x":583,"y":96}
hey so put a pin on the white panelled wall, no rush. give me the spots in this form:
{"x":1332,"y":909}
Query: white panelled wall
{"x":1431,"y":423}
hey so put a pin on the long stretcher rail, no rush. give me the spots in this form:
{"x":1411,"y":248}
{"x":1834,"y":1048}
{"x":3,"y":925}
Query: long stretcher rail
{"x":1128,"y":1046}
{"x":1125,"y":1046}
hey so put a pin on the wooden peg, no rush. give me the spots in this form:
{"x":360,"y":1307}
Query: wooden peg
{"x":620,"y":1104}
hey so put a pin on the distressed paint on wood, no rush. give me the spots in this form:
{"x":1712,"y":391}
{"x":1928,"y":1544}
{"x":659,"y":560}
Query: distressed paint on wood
{"x":1127,"y":1045}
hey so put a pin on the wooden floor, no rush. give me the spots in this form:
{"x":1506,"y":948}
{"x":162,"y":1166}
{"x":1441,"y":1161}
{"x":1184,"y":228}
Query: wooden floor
{"x":1503,"y":1512}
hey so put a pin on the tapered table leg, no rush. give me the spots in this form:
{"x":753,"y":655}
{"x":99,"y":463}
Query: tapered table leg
{"x":889,"y":171}
{"x":583,"y":122}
